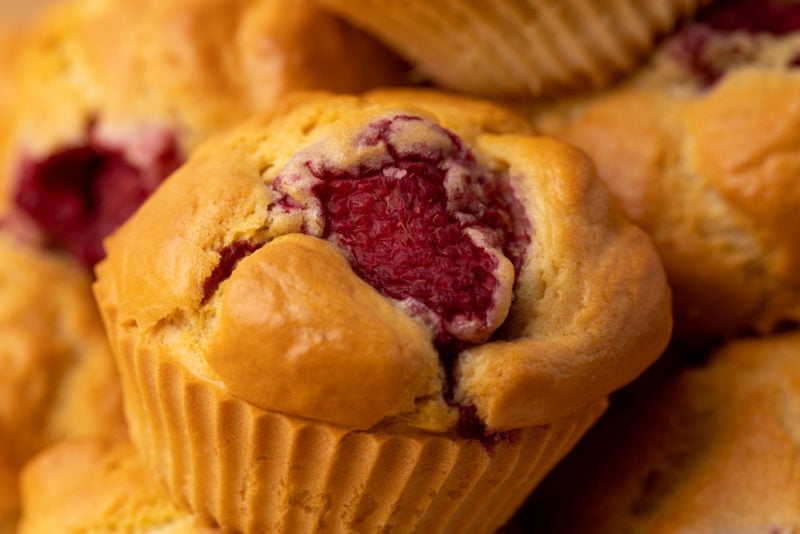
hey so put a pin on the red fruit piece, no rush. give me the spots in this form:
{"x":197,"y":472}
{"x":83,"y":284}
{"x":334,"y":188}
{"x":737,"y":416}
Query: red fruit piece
{"x":422,"y":223}
{"x":78,"y":195}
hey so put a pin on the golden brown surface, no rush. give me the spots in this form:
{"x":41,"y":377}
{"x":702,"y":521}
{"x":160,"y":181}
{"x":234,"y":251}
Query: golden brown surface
{"x":191,"y":67}
{"x":9,"y":46}
{"x":711,"y":175}
{"x":92,"y":485}
{"x":706,"y":450}
{"x":15,"y":14}
{"x":564,"y":345}
{"x":58,"y":378}
{"x":265,"y":311}
{"x":518,"y":48}
{"x":9,"y":39}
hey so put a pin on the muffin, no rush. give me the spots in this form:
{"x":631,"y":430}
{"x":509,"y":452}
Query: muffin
{"x":94,"y":485}
{"x":8,"y":53}
{"x":517,"y":49}
{"x":59,"y":379}
{"x":113,"y":94}
{"x":706,"y":449}
{"x":701,"y":148}
{"x":15,"y":14}
{"x":389,"y":312}
{"x":9,"y":37}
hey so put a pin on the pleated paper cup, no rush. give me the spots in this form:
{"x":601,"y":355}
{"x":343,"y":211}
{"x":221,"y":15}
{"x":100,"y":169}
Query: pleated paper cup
{"x":255,"y":471}
{"x":518,"y":47}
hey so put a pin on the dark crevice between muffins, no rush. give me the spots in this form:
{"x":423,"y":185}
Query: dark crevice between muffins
{"x":697,"y":351}
{"x":691,"y":47}
{"x":777,"y":17}
{"x":77,"y":195}
{"x":469,"y":425}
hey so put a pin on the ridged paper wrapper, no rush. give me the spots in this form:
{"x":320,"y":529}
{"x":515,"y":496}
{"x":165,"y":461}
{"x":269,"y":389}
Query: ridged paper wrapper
{"x":518,"y":47}
{"x":249,"y":470}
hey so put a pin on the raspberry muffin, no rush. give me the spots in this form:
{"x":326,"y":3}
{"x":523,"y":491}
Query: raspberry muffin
{"x":92,"y":485}
{"x":704,"y":449}
{"x":59,"y":379}
{"x":702,"y":148}
{"x":394,"y":311}
{"x":518,"y":48}
{"x":113,"y":94}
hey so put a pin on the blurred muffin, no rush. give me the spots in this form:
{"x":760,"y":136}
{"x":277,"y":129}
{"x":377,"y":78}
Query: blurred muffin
{"x":59,"y":379}
{"x":9,"y":495}
{"x":518,"y":48}
{"x":113,"y":94}
{"x":395,"y":312}
{"x":9,"y":39}
{"x":92,"y":485}
{"x":15,"y":14}
{"x":9,"y":501}
{"x":702,"y":149}
{"x":705,"y":450}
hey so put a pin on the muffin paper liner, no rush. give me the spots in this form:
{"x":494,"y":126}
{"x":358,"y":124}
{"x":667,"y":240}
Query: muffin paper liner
{"x":569,"y":43}
{"x":251,"y":470}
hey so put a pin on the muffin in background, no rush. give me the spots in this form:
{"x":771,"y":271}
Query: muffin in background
{"x":9,"y":39}
{"x":95,"y":485}
{"x":112,"y":95}
{"x":394,"y":311}
{"x":100,"y":100}
{"x":9,"y":45}
{"x":16,"y":14}
{"x":704,"y":449}
{"x":702,"y":149}
{"x":518,"y":49}
{"x":59,"y":379}
{"x":9,"y":498}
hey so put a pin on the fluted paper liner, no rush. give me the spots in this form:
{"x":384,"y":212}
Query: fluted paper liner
{"x":518,"y":48}
{"x":255,"y":471}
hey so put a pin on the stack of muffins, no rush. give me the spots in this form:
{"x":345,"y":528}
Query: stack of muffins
{"x":375,"y":266}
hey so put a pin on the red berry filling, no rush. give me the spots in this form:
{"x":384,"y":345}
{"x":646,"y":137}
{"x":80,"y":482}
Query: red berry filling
{"x":78,"y":195}
{"x":419,"y":220}
{"x":702,"y":47}
{"x":422,"y":223}
{"x":228,"y":258}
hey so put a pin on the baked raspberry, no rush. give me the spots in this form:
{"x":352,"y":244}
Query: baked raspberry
{"x":78,"y":195}
{"x":720,"y":37}
{"x":418,"y":219}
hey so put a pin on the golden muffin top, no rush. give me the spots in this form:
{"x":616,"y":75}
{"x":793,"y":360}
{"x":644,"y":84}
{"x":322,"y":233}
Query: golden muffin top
{"x":401,"y":257}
